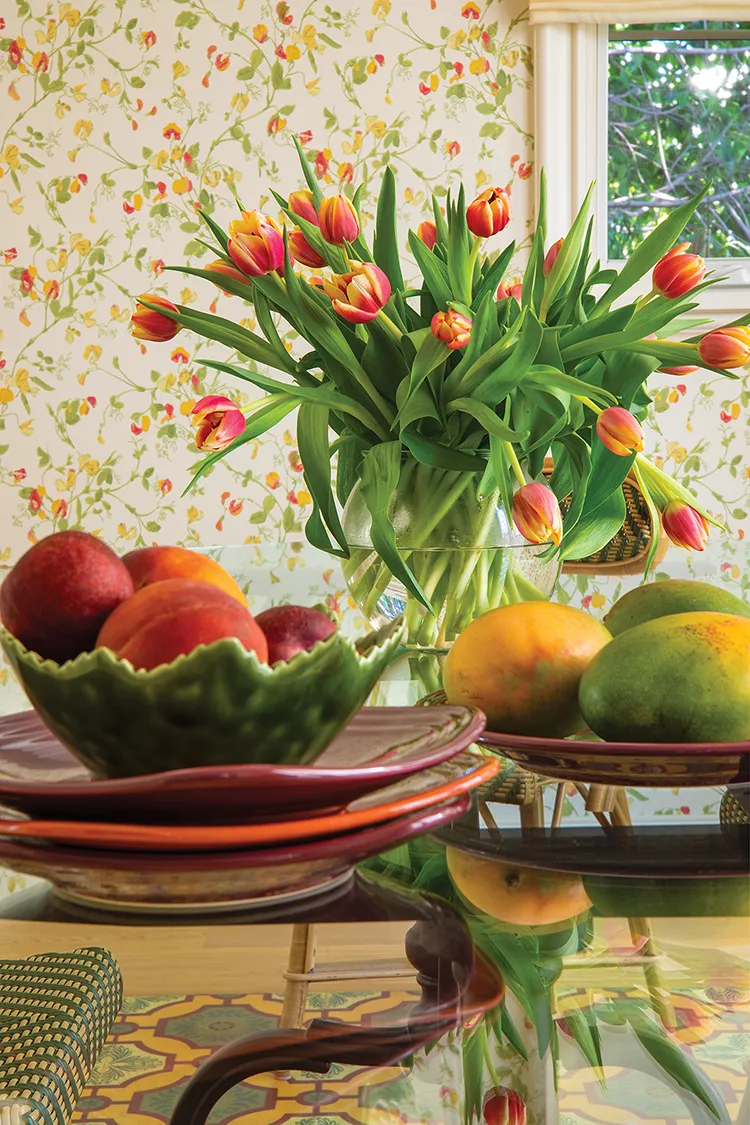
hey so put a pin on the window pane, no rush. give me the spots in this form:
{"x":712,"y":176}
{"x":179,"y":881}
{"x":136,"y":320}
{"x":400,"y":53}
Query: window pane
{"x":679,"y":115}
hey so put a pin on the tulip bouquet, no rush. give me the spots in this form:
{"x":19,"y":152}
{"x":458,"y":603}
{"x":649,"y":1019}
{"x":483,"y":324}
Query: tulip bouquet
{"x":439,"y":400}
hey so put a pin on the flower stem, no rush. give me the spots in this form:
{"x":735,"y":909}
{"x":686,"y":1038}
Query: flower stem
{"x":394,"y":330}
{"x":515,"y":465}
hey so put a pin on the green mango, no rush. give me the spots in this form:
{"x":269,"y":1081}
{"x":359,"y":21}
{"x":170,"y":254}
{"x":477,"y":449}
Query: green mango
{"x":676,"y":595}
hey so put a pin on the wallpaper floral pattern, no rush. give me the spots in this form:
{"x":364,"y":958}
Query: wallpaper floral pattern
{"x":119,"y":117}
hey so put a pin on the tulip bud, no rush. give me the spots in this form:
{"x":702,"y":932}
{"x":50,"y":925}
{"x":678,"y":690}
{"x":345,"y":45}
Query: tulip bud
{"x":551,"y":256}
{"x":489,"y":213}
{"x":339,"y":221}
{"x":219,"y":422}
{"x":154,"y":326}
{"x":677,"y":272}
{"x":536,"y":513}
{"x":684,"y":526}
{"x":427,"y":233}
{"x":503,"y":292}
{"x":677,"y":370}
{"x":225,"y":269}
{"x":726,"y":347}
{"x":452,"y":327}
{"x":502,"y":1106}
{"x":301,"y":203}
{"x":255,"y":244}
{"x":619,"y":431}
{"x":303,"y":251}
{"x":360,"y":295}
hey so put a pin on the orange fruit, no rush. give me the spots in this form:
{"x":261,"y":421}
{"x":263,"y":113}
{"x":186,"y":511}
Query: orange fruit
{"x":158,"y":564}
{"x":523,"y":896}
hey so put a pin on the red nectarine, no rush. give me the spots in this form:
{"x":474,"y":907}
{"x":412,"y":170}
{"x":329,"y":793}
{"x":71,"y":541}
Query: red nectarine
{"x":290,"y":629}
{"x":154,"y":564}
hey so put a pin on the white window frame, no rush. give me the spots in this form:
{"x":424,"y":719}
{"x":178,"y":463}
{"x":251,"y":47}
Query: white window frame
{"x":570,"y":122}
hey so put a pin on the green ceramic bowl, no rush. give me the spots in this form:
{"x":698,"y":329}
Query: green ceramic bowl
{"x":216,"y":706}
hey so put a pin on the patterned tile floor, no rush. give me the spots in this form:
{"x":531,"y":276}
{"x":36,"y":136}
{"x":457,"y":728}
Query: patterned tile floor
{"x":158,"y":1042}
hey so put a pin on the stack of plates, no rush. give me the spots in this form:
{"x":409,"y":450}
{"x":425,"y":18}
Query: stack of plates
{"x":218,"y":838}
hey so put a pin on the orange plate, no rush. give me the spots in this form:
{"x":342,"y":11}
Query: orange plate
{"x":469,"y":771}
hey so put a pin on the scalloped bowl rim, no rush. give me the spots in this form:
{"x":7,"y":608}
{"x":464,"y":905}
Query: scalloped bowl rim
{"x":104,"y":659}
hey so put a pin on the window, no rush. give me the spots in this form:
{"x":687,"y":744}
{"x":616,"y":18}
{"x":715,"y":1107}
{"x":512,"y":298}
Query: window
{"x":678,"y":115}
{"x":651,"y":112}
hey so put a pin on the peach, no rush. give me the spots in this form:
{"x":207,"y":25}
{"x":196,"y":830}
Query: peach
{"x":154,"y":564}
{"x":290,"y":629}
{"x":59,"y":594}
{"x":169,"y":618}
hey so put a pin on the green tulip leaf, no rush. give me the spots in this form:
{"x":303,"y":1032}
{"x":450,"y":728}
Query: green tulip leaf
{"x":439,"y":456}
{"x":312,"y":442}
{"x":567,"y":259}
{"x":385,"y":245}
{"x":435,"y":274}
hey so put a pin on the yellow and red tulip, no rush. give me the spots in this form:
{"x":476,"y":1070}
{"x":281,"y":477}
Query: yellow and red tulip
{"x":504,"y":291}
{"x":218,"y":420}
{"x":360,"y":295}
{"x":427,"y":233}
{"x":489,"y":213}
{"x":452,"y":327}
{"x":684,"y":526}
{"x":223,"y":268}
{"x":339,"y":221}
{"x":301,"y":203}
{"x":536,"y":514}
{"x":726,"y":347}
{"x":255,"y":244}
{"x":502,"y":1106}
{"x":620,"y":431}
{"x":147,"y":324}
{"x":303,"y":252}
{"x":688,"y":370}
{"x":551,"y":256}
{"x":678,"y":272}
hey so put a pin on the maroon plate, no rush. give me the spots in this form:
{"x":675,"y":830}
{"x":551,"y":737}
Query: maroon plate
{"x":681,"y":764}
{"x":215,"y":881}
{"x":380,"y":746}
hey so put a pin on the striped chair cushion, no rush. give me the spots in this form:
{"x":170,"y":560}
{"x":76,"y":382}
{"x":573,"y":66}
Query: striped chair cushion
{"x":56,"y":1011}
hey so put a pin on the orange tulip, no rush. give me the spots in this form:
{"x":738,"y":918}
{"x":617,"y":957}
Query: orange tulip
{"x":502,"y":1106}
{"x":219,"y":422}
{"x":620,"y":431}
{"x":551,"y":256}
{"x":301,"y":203}
{"x":536,"y":514}
{"x":684,"y":526}
{"x":339,"y":221}
{"x":489,"y":213}
{"x":147,"y":324}
{"x":255,"y":244}
{"x":503,"y":292}
{"x":225,"y":269}
{"x":726,"y":347}
{"x":427,"y":233}
{"x":677,"y":272}
{"x":303,"y":251}
{"x":360,"y":295}
{"x":452,"y":327}
{"x":677,"y":370}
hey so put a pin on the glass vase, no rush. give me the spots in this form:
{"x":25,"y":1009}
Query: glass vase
{"x":463,"y":550}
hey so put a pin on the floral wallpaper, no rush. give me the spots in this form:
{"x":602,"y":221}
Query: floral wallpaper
{"x":119,"y":117}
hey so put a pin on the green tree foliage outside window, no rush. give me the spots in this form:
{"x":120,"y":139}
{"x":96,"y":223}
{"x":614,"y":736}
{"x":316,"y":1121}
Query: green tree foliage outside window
{"x":679,"y":115}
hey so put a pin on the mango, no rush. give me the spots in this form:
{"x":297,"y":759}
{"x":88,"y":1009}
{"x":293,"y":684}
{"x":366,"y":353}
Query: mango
{"x":170,"y":618}
{"x":522,"y":664}
{"x":682,"y":678}
{"x":59,"y":594}
{"x":676,"y":595}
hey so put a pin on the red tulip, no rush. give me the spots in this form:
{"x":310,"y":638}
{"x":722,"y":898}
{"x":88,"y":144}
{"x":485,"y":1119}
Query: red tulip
{"x":255,"y":244}
{"x":489,"y":213}
{"x":726,"y":347}
{"x":301,"y":203}
{"x":360,"y":295}
{"x":303,"y":251}
{"x":339,"y":221}
{"x":620,"y":431}
{"x":551,"y":256}
{"x":536,"y":513}
{"x":678,"y":370}
{"x":677,"y":272}
{"x":452,"y":327}
{"x":154,"y":326}
{"x":427,"y":233}
{"x":503,"y":1107}
{"x":684,"y":526}
{"x":503,"y":292}
{"x":219,"y":422}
